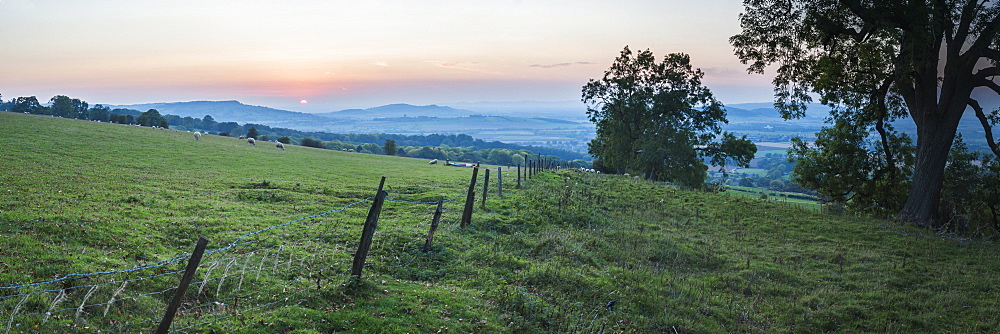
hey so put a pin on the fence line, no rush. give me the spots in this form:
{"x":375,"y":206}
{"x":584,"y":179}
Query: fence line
{"x":218,"y":287}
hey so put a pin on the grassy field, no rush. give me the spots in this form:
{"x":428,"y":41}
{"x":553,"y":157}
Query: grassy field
{"x":775,"y":196}
{"x":570,"y":252}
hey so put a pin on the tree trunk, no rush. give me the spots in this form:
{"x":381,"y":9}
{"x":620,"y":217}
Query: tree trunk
{"x":934,"y":139}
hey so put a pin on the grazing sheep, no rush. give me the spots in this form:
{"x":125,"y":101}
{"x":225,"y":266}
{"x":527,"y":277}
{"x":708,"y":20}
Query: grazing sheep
{"x":243,"y":137}
{"x":251,"y":141}
{"x":279,"y":145}
{"x":197,"y":136}
{"x":433,"y":162}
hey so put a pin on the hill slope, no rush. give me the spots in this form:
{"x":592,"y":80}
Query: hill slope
{"x":97,"y":219}
{"x":399,"y":110}
{"x":234,"y":111}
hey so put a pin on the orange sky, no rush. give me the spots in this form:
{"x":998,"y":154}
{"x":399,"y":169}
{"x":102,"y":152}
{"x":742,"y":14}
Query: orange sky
{"x":345,"y":54}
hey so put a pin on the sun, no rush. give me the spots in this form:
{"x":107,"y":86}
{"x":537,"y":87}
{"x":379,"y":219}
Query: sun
{"x":304,"y":101}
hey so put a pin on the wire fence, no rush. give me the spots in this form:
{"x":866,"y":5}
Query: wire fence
{"x":259,"y":271}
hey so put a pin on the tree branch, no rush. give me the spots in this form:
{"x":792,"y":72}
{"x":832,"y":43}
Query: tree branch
{"x":986,"y":126}
{"x":968,"y":14}
{"x":984,"y":74}
{"x":983,"y":82}
{"x":883,"y":111}
{"x":985,"y":38}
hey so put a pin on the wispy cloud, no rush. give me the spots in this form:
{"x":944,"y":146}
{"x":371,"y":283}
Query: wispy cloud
{"x":381,"y":63}
{"x":465,"y":66}
{"x":561,"y":64}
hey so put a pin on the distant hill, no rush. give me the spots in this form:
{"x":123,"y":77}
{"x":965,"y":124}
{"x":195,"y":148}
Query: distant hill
{"x":234,"y":111}
{"x":399,"y":110}
{"x":525,"y":129}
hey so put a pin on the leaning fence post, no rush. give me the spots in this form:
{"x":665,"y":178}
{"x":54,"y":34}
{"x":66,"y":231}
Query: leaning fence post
{"x":470,"y":199}
{"x":500,"y":182}
{"x":369,"y":231}
{"x":486,"y":187}
{"x":192,"y":266}
{"x":434,"y":226}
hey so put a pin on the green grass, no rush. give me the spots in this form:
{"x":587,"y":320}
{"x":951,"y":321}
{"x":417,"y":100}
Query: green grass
{"x":81,"y":197}
{"x":776,"y":196}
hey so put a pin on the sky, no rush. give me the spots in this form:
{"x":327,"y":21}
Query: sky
{"x":322,"y":55}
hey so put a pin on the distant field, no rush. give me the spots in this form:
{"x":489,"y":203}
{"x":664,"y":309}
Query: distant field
{"x":780,"y":196}
{"x":753,"y":171}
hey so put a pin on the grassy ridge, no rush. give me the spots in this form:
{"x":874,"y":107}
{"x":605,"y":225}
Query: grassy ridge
{"x":82,"y":196}
{"x":134,"y":188}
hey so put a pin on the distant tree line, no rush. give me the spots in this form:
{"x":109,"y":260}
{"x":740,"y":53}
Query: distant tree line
{"x":66,"y":107}
{"x":459,"y":147}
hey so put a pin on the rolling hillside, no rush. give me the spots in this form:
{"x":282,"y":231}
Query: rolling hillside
{"x":524,"y":128}
{"x":97,"y":221}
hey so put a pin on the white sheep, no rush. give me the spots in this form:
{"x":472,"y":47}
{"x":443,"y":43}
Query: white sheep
{"x":432,"y":162}
{"x":251,"y":141}
{"x":197,"y":135}
{"x":279,"y":145}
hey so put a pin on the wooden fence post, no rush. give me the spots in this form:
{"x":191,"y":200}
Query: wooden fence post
{"x":192,"y":266}
{"x":486,"y":187}
{"x":369,"y":230}
{"x":434,"y":226}
{"x":470,"y":199}
{"x":500,"y":182}
{"x":518,"y":176}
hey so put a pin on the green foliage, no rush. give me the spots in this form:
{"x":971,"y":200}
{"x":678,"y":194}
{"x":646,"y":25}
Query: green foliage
{"x":152,"y":118}
{"x":26,"y":105}
{"x":311,"y":142}
{"x":971,"y":197}
{"x":63,"y":106}
{"x":252,"y":133}
{"x":284,"y":140}
{"x":390,"y":147}
{"x":840,"y":166}
{"x":658,"y":120}
{"x":873,"y":65}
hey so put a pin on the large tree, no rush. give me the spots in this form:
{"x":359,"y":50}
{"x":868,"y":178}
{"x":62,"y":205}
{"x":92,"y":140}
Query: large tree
{"x":64,"y":106}
{"x":878,"y":60}
{"x":657,"y":119}
{"x":28,"y":105}
{"x":152,"y":117}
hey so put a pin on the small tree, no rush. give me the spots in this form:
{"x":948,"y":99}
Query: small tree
{"x":252,"y":133}
{"x":311,"y":142}
{"x":390,"y":147}
{"x":657,"y":119}
{"x":284,"y":140}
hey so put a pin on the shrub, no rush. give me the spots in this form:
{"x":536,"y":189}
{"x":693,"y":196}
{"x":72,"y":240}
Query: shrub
{"x":311,"y":142}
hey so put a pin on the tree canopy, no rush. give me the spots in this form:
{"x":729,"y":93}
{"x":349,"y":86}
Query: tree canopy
{"x":658,"y":120}
{"x":252,"y":133}
{"x":875,"y":62}
{"x":389,"y":147}
{"x":152,"y":117}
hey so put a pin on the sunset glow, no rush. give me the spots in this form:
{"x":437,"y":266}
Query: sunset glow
{"x":352,"y":54}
